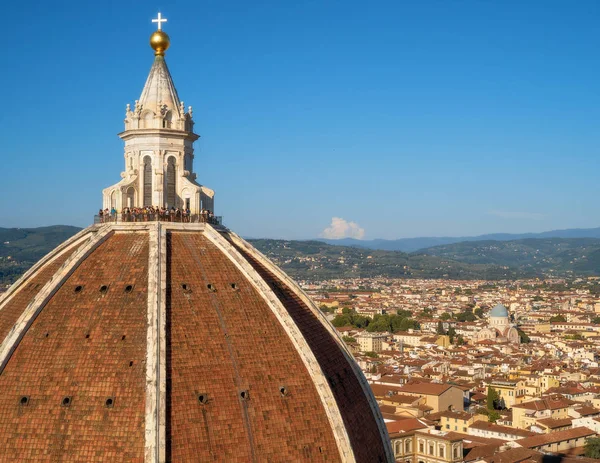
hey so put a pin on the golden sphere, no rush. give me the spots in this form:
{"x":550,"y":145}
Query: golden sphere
{"x":159,"y":41}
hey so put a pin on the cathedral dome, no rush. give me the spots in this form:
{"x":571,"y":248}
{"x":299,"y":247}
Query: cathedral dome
{"x":499,"y":311}
{"x":154,"y":337}
{"x":175,"y":342}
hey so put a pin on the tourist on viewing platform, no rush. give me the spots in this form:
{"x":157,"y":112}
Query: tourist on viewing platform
{"x":153,"y":213}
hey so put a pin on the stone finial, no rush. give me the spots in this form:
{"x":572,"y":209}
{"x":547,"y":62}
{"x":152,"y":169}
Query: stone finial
{"x":127,"y":109}
{"x":190,"y":111}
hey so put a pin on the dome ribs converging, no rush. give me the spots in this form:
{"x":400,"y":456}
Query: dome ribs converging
{"x":74,"y":387}
{"x":225,"y":344}
{"x":368,"y":437}
{"x":160,"y":342}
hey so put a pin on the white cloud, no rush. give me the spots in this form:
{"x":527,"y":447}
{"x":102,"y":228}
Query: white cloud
{"x":517,"y":215}
{"x":341,"y":228}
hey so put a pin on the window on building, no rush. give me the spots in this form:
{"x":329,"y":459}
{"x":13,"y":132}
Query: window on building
{"x":441,"y":452}
{"x":147,"y":181}
{"x":447,"y":426}
{"x":168,"y":120}
{"x":455,"y":452}
{"x":431,"y":449}
{"x":421,"y":447}
{"x":407,"y":447}
{"x":171,"y":186}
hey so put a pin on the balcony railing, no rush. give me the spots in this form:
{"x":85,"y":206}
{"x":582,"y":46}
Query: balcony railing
{"x":154,"y":217}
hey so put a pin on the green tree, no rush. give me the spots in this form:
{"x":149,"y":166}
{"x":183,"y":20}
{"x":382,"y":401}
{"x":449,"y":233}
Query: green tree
{"x":341,"y":320}
{"x":404,"y":313}
{"x":440,"y":328}
{"x":451,"y":334}
{"x":523,"y":336}
{"x":326,"y":309}
{"x":460,"y":341}
{"x":595,"y":320}
{"x":380,"y":324}
{"x":445,"y":316}
{"x":348,"y":339}
{"x":558,"y":318}
{"x":360,"y":321}
{"x":479,"y":312}
{"x":493,"y":416}
{"x":466,"y":317}
{"x":492,"y":398}
{"x":347,"y":310}
{"x":372,"y":354}
{"x":592,"y":447}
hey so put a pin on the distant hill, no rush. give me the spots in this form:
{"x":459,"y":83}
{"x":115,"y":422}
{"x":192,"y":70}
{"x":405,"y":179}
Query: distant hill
{"x":562,"y":256}
{"x":314,"y":260}
{"x":20,"y":248}
{"x":414,"y":244}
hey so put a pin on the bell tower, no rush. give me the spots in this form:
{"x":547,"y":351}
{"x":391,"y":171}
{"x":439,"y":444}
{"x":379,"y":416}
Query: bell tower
{"x":159,"y":145}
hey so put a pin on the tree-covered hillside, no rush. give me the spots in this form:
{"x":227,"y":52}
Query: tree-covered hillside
{"x":314,"y":260}
{"x":561,"y":256}
{"x":20,"y":248}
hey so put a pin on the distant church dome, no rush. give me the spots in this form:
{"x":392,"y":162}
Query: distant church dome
{"x":499,"y":311}
{"x":153,"y":341}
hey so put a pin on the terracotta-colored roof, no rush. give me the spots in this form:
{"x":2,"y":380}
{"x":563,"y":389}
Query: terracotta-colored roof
{"x":492,"y":427}
{"x":426,"y":388}
{"x":553,"y":437}
{"x":554,"y":423}
{"x":517,"y":455}
{"x":383,"y":390}
{"x":406,"y":425}
{"x":402,"y":399}
{"x":550,"y":403}
{"x":480,"y":452}
{"x":447,"y":436}
{"x":452,"y":414}
{"x":587,"y":411}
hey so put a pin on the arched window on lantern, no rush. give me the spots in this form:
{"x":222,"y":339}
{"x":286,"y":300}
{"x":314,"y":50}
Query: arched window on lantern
{"x":171,"y":182}
{"x":147,"y":181}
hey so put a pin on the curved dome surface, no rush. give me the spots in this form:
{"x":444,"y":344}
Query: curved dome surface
{"x":499,"y":311}
{"x":175,"y":342}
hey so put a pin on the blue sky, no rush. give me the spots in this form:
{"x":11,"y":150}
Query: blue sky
{"x":429,"y":118}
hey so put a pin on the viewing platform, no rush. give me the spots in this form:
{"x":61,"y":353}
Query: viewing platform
{"x":157,"y":217}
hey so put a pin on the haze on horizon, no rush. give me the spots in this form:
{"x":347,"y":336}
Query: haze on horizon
{"x":320,"y":118}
